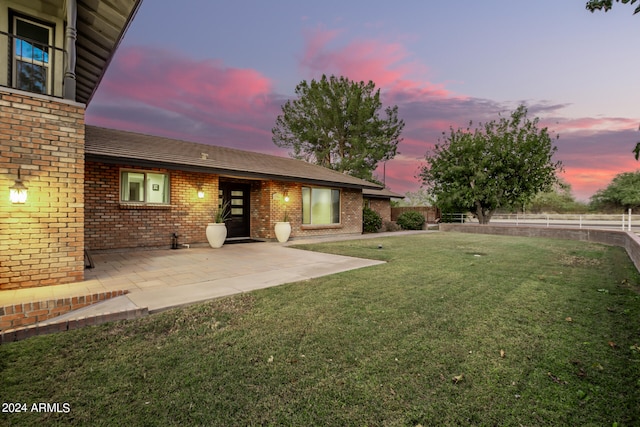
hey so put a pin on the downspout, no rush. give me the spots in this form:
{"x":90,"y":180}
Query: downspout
{"x":71,"y":34}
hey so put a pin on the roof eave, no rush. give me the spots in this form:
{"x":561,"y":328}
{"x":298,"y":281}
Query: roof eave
{"x":223,"y":171}
{"x":95,"y":81}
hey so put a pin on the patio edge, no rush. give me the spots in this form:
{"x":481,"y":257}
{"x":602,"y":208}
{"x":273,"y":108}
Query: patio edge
{"x":19,"y":334}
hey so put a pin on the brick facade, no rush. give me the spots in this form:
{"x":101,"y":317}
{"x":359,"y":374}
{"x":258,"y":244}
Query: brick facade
{"x":19,"y":315}
{"x":110,"y":224}
{"x":382,"y":207}
{"x":42,"y":240}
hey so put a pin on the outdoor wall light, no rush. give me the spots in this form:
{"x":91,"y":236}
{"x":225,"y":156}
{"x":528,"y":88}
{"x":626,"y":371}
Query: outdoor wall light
{"x":200,"y":192}
{"x":280,"y":196}
{"x":18,"y":191}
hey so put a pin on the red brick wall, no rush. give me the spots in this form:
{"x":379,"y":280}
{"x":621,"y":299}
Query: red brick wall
{"x":41,"y":241}
{"x":350,"y":217}
{"x":273,"y":209}
{"x":24,"y":314}
{"x":382,"y":207}
{"x":110,"y":224}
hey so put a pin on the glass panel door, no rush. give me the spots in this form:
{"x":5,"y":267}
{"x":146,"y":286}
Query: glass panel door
{"x":236,"y":197}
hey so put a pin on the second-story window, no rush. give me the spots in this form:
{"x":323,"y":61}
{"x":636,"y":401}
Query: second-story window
{"x":31,"y":55}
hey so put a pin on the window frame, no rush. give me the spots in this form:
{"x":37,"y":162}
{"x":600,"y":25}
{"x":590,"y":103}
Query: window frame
{"x":48,"y":65}
{"x":332,"y":214}
{"x":145,"y":201}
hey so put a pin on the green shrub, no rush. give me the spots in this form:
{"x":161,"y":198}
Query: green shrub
{"x":390,"y":226}
{"x":371,"y":221}
{"x":410,"y":220}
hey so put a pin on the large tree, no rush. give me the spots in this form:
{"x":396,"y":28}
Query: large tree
{"x":335,"y":123}
{"x":500,"y":164}
{"x":622,"y":193}
{"x":593,"y":5}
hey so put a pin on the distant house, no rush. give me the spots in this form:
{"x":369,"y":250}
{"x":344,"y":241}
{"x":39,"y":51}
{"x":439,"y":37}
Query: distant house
{"x":140,"y":189}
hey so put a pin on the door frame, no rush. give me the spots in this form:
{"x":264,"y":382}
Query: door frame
{"x":238,"y":226}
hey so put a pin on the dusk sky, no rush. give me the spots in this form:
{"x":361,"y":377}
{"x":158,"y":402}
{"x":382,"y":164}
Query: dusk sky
{"x":218,"y":72}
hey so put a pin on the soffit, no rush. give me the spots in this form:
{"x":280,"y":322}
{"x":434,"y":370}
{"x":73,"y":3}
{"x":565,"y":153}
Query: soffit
{"x":101,"y":24}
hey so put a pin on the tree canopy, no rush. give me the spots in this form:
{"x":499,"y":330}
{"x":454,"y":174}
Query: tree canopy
{"x":335,"y":123}
{"x":558,"y":200}
{"x":622,"y":193}
{"x":500,"y":164}
{"x":593,"y":5}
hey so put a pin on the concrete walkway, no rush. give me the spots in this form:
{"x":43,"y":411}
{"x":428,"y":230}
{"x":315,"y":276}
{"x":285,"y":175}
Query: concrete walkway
{"x":163,"y":279}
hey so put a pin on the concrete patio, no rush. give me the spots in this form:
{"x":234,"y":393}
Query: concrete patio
{"x":161,"y":279}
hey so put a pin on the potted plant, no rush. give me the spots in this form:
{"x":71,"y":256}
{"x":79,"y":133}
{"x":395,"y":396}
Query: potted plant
{"x":283,"y":229}
{"x":217,"y":230}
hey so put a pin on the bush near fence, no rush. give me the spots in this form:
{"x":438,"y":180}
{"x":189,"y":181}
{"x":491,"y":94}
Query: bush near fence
{"x":431,"y":214}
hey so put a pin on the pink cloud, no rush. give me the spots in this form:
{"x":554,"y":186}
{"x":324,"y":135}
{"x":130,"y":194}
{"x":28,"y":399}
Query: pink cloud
{"x":168,"y":80}
{"x":388,"y":65}
{"x":163,"y":92}
{"x":591,"y":124}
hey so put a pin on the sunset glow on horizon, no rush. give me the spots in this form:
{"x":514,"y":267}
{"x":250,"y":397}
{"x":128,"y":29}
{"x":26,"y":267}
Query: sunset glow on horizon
{"x":222,"y":79}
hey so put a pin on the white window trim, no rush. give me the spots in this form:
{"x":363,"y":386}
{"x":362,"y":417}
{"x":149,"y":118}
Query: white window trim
{"x":145,"y":202}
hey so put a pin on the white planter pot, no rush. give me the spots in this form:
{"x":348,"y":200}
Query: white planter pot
{"x":283,"y":231}
{"x":216,"y":234}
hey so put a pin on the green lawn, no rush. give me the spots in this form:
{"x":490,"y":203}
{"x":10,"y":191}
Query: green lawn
{"x":416,"y":341}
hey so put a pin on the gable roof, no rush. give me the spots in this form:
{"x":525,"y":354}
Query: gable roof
{"x":117,"y":146}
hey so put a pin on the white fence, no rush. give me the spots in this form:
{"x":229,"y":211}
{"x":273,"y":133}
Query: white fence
{"x":629,"y":222}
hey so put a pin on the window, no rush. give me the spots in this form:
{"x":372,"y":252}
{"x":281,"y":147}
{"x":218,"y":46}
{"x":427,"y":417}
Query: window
{"x":320,"y":206}
{"x":31,"y":55}
{"x":144,"y":187}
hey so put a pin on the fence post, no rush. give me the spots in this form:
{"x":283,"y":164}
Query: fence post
{"x":622,"y":221}
{"x":629,"y":228}
{"x":580,"y":221}
{"x":547,"y":221}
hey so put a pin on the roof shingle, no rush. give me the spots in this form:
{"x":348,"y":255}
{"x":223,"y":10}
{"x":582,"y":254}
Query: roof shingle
{"x":113,"y":145}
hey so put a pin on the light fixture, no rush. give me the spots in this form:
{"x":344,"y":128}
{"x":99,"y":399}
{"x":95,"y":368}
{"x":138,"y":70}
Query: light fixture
{"x":280,"y":197}
{"x":18,"y":192}
{"x":200,"y":192}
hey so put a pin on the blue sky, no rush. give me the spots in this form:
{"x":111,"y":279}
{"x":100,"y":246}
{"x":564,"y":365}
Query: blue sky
{"x":217,"y":72}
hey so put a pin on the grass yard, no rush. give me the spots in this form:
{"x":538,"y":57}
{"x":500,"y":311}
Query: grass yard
{"x":454,"y":330}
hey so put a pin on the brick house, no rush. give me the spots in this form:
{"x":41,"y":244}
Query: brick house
{"x":141,"y":189}
{"x":94,"y":188}
{"x":53,"y":54}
